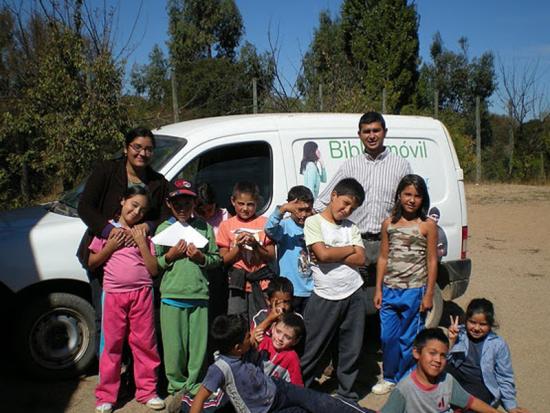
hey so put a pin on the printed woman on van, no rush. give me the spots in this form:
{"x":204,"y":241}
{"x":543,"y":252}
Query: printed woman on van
{"x":103,"y":192}
{"x":312,"y":168}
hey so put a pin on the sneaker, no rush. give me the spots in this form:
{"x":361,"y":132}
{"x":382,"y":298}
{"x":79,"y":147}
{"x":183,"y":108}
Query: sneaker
{"x":155,"y":403}
{"x":104,"y":408}
{"x":383,"y":387}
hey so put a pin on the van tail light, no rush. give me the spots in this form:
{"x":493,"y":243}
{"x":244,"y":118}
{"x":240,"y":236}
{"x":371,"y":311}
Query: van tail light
{"x":464,"y":248}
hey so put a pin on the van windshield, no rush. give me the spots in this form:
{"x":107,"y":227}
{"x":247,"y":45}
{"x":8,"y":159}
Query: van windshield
{"x":165,"y":149}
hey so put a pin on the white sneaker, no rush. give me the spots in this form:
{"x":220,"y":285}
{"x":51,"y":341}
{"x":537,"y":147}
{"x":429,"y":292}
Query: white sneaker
{"x":104,"y":408}
{"x":383,"y":387}
{"x":155,"y":403}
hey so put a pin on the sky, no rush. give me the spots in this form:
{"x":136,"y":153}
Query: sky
{"x":517,"y":32}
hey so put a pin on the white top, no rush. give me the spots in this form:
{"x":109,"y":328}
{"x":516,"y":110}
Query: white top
{"x":333,"y":281}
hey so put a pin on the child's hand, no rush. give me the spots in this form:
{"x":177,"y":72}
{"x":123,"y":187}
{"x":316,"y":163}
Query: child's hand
{"x":245,"y":241}
{"x":177,"y":251}
{"x":279,"y":307}
{"x":116,"y":239}
{"x":138,"y":234}
{"x":240,"y":239}
{"x":143,"y":226}
{"x":194,"y":253}
{"x":258,"y":335}
{"x":453,"y":329}
{"x":289,"y":207}
{"x":377,"y":300}
{"x":427,"y":303}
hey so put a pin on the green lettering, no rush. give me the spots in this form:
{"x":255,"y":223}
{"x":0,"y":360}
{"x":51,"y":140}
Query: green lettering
{"x":335,"y":149}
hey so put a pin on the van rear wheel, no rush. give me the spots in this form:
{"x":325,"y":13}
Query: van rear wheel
{"x":434,"y":315}
{"x":56,"y":336}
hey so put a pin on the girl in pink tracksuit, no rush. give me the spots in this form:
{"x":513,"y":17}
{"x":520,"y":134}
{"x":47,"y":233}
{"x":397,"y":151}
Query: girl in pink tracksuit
{"x":128,"y":263}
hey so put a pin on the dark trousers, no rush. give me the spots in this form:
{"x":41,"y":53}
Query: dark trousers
{"x":294,"y":399}
{"x":299,"y":304}
{"x":339,"y":321}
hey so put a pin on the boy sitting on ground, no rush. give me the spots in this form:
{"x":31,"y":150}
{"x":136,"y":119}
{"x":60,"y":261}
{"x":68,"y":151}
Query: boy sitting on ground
{"x":248,"y":387}
{"x":428,"y":389}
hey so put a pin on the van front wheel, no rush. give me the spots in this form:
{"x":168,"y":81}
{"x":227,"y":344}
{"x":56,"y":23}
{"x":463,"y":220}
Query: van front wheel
{"x":56,"y":336}
{"x":434,"y":315}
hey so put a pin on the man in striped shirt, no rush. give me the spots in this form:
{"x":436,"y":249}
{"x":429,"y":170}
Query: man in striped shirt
{"x":379,"y":171}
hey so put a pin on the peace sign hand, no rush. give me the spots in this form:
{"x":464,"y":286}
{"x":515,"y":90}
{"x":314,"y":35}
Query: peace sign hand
{"x":453,"y":329}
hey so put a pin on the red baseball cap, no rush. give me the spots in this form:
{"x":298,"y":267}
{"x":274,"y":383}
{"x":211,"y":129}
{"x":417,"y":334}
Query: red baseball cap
{"x":182,"y":187}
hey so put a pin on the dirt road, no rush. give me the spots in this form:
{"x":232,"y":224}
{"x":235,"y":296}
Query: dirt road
{"x":509,"y":226}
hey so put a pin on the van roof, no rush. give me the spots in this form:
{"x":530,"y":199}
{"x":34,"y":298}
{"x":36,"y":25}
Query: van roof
{"x":236,"y":124}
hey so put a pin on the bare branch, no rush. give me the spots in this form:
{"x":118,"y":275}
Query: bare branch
{"x":279,"y":92}
{"x":519,"y":91}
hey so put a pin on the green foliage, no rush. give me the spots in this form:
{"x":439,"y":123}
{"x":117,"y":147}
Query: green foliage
{"x":152,"y":79}
{"x":212,"y":84}
{"x":203,"y":29}
{"x":65,"y":112}
{"x":325,"y":63}
{"x":463,"y":143}
{"x":382,"y":42}
{"x":372,"y":46}
{"x":457,"y":78}
{"x":212,"y":76}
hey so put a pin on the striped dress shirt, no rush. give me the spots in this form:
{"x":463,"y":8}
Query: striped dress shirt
{"x":379,"y":177}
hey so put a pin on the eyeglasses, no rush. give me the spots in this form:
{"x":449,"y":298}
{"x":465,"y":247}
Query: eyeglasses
{"x":138,"y":148}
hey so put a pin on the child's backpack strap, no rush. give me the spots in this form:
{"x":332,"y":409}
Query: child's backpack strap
{"x":230,"y":387}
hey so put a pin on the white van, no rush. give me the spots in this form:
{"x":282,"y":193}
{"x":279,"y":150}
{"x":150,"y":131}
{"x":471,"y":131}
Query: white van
{"x":44,"y":286}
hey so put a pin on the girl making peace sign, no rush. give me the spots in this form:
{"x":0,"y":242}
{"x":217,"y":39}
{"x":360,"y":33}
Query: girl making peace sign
{"x":480,"y":360}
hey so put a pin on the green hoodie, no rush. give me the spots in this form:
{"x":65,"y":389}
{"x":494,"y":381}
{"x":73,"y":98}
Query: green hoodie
{"x":183,"y":278}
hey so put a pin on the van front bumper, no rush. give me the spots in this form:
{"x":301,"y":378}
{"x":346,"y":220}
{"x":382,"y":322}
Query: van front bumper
{"x":453,"y":278}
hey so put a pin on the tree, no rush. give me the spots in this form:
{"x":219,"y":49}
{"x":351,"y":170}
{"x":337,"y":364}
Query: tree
{"x":325,"y":65}
{"x":65,"y":109}
{"x":261,"y":67}
{"x":372,"y":46}
{"x":381,"y":44}
{"x":457,"y":79}
{"x":152,"y":79}
{"x":213,"y":75}
{"x":203,"y":29}
{"x":520,"y":94}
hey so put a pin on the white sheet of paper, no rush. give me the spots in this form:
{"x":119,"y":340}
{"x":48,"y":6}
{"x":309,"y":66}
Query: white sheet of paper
{"x":171,"y":235}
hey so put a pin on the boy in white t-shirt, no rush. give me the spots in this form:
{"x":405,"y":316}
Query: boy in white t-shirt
{"x":336,"y":308}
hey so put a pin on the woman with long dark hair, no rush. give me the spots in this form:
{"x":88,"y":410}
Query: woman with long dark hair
{"x":101,"y":200}
{"x":312,"y":168}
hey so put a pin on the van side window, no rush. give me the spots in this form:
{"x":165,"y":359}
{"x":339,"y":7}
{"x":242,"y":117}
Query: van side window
{"x":223,"y":166}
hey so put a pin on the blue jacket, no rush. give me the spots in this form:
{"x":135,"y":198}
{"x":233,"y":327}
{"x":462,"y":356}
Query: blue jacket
{"x":291,"y":252}
{"x":496,"y":366}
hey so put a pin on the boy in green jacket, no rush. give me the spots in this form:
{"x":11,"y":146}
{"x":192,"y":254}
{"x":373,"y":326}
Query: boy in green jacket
{"x":184,"y":293}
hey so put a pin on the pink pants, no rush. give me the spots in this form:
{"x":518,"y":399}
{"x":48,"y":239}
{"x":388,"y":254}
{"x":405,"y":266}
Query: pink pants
{"x":128,"y":314}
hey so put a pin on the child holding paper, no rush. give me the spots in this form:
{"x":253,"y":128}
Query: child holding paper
{"x":184,"y":292}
